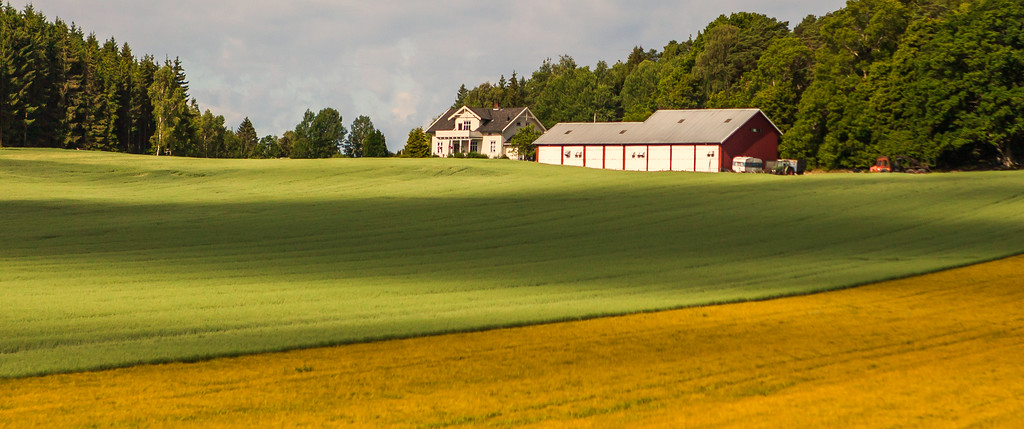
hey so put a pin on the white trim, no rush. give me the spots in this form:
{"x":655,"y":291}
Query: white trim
{"x":529,"y":117}
{"x":465,"y":109}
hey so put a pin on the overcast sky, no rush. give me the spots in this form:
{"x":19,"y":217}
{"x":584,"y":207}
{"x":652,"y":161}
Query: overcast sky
{"x":398,"y":62}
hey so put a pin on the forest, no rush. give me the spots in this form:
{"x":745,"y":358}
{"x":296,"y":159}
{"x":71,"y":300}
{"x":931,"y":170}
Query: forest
{"x":60,"y":87}
{"x":938,"y":80}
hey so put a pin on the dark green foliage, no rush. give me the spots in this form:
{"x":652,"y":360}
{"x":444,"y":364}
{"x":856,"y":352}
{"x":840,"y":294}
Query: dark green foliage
{"x":939,"y":80}
{"x":62,"y":88}
{"x":247,"y":139}
{"x":355,"y":145}
{"x":417,"y":145}
{"x":318,"y":136}
{"x":376,"y":145}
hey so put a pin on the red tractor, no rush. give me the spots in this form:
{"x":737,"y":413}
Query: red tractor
{"x":898,"y":163}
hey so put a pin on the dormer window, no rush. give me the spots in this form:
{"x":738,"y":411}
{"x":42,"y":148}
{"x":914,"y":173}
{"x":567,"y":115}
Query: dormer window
{"x":466,"y":125}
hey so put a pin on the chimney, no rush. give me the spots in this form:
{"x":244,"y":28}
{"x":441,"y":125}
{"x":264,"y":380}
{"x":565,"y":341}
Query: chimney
{"x":496,"y":106}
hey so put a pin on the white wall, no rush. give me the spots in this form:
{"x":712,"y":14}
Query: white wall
{"x":594,"y":157}
{"x":702,"y":158}
{"x":707,"y":158}
{"x":613,"y":158}
{"x":658,"y":158}
{"x":636,"y":158}
{"x":549,"y":155}
{"x":682,"y":158}
{"x":573,"y":155}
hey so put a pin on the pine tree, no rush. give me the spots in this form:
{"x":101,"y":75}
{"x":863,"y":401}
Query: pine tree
{"x":460,"y":97}
{"x":247,"y":139}
{"x":143,"y":121}
{"x":16,"y":77}
{"x":417,"y":145}
{"x":376,"y":145}
{"x":70,"y":97}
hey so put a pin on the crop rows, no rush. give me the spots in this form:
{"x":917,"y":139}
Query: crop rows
{"x":111,"y":260}
{"x":940,"y":350}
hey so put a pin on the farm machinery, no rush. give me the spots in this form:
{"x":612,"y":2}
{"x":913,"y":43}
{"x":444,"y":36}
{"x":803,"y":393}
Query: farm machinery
{"x":786,"y":167}
{"x":899,"y":163}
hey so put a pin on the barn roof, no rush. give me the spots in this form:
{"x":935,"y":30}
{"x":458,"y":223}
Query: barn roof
{"x":662,"y":127}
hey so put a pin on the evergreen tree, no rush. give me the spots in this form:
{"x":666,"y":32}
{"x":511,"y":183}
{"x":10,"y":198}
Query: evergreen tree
{"x":247,"y":139}
{"x":143,"y":121}
{"x":460,"y":97}
{"x":417,"y":145}
{"x":376,"y":145}
{"x":17,"y":74}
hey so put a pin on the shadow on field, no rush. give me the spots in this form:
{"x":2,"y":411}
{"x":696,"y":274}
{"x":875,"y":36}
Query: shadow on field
{"x":91,"y":282}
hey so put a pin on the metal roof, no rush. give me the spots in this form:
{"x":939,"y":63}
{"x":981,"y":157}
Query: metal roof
{"x":662,"y":127}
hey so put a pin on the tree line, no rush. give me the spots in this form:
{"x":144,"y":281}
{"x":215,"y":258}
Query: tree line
{"x":939,"y":80}
{"x":60,"y":87}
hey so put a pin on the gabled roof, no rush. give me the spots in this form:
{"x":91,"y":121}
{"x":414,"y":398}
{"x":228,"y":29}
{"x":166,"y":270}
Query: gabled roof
{"x":491,"y":120}
{"x":662,"y":127}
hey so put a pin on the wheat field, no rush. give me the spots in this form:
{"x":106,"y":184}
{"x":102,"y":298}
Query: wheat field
{"x":940,"y":350}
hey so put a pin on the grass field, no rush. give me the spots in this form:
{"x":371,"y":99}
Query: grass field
{"x":110,"y":260}
{"x":942,"y":350}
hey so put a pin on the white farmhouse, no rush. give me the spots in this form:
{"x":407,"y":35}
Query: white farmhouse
{"x":485,"y":131}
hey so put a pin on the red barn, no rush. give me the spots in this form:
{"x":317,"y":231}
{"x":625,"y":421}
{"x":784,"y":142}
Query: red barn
{"x":670,"y":140}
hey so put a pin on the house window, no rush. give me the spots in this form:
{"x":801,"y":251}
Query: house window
{"x":467,"y":125}
{"x":493,"y":144}
{"x":473,"y":146}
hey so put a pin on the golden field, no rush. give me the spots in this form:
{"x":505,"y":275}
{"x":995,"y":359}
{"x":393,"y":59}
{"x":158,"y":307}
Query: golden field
{"x":941,"y":350}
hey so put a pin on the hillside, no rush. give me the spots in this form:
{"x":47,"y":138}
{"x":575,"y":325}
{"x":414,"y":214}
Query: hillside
{"x":109,"y":260}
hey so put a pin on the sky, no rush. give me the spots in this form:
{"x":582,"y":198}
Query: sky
{"x":398,"y":62}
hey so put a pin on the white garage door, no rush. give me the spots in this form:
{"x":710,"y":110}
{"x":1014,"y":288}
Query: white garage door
{"x":549,"y":155}
{"x":707,"y":158}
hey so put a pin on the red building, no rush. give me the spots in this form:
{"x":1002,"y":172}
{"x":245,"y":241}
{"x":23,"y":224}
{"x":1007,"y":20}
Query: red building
{"x":670,"y":140}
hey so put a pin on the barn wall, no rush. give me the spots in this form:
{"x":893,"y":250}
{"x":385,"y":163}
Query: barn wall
{"x":593,"y":156}
{"x":572,"y":155}
{"x":745,"y":142}
{"x":636,"y":158}
{"x":549,"y":155}
{"x":659,"y":159}
{"x":679,"y":157}
{"x":708,"y":158}
{"x":682,"y":158}
{"x":613,"y":157}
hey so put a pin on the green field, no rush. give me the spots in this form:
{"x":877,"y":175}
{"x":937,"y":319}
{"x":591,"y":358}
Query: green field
{"x":110,"y":260}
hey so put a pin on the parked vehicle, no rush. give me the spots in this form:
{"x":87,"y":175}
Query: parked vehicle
{"x":899,"y":163}
{"x":747,"y":164}
{"x":787,"y":167}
